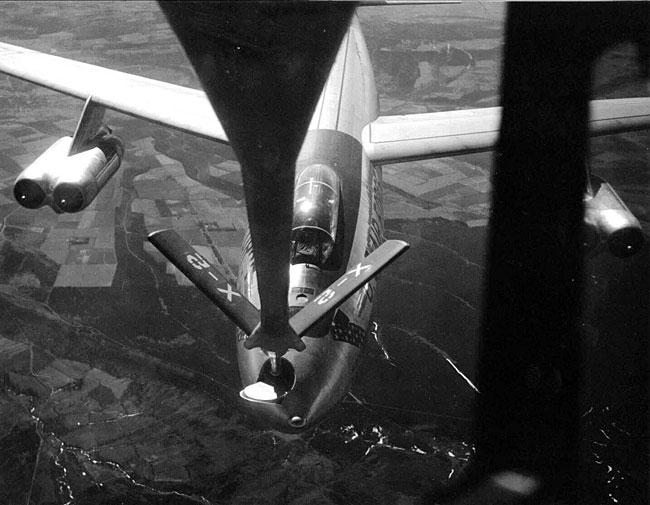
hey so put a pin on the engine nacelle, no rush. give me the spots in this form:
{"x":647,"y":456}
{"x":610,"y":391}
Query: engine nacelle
{"x":608,"y":218}
{"x":69,"y":183}
{"x":33,"y":186}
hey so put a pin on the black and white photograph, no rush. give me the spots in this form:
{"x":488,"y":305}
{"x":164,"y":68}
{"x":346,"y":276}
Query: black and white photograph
{"x":324,"y":253}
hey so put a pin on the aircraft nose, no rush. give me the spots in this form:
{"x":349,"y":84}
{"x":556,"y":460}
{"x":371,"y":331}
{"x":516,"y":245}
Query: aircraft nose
{"x":322,"y":377}
{"x":317,"y":390}
{"x":294,"y":412}
{"x":284,"y":416}
{"x":272,"y":394}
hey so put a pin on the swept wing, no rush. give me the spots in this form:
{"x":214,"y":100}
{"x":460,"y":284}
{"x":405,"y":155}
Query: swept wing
{"x":388,"y":139}
{"x":392,"y":139}
{"x":178,"y":107}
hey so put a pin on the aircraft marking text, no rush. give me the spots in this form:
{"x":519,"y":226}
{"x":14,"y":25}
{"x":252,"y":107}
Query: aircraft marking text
{"x":197,"y":261}
{"x":359,"y":269}
{"x":228,"y":292}
{"x":326,"y":296}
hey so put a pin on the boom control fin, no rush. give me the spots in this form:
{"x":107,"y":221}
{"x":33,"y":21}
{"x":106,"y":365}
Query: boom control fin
{"x":345,"y":286}
{"x":210,"y":279}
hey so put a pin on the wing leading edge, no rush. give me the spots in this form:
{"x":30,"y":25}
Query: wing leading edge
{"x":394,"y":139}
{"x":177,"y":107}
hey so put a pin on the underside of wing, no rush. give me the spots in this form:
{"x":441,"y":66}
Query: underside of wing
{"x":401,"y":3}
{"x":177,"y":107}
{"x":394,"y":139}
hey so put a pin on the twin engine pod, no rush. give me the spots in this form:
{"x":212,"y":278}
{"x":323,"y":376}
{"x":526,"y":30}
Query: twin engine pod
{"x":608,"y":219}
{"x":69,"y":183}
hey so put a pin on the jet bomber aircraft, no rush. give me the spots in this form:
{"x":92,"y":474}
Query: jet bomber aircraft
{"x":307,"y":131}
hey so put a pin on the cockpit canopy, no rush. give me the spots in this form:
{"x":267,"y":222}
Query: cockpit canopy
{"x":315,"y":214}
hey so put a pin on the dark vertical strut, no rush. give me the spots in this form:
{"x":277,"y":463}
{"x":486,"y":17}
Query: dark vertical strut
{"x":263,"y":66}
{"x":530,"y":352}
{"x":530,"y":355}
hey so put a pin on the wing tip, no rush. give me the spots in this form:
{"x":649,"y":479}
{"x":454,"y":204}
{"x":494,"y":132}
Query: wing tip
{"x":156,"y":233}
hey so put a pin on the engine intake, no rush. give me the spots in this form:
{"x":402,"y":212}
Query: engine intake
{"x":30,"y":193}
{"x":69,"y":183}
{"x":608,"y":216}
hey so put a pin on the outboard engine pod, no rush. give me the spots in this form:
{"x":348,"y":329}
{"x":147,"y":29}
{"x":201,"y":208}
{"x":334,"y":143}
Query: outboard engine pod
{"x":69,"y":183}
{"x":86,"y":173}
{"x":33,"y":184}
{"x":617,"y":226}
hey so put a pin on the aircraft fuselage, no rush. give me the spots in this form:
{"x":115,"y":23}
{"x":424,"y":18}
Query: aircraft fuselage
{"x":324,"y":370}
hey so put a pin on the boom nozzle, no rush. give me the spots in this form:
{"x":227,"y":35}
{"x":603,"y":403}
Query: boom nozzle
{"x":272,"y":385}
{"x":276,"y":341}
